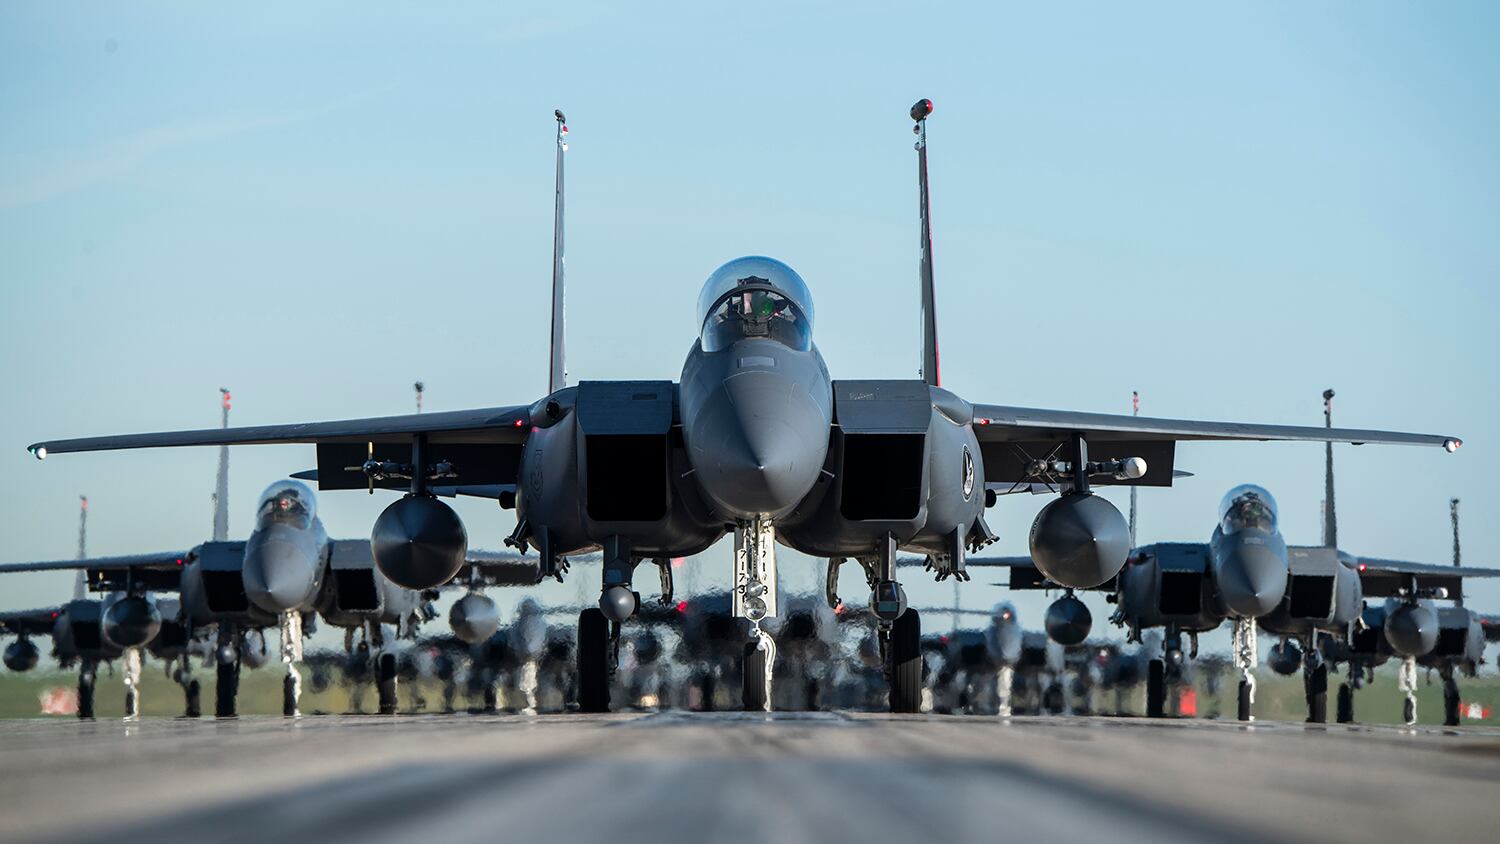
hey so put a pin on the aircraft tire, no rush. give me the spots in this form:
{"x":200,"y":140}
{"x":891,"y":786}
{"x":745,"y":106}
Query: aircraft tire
{"x":593,"y":661}
{"x":385,"y":683}
{"x":1243,"y":708}
{"x":1156,"y":689}
{"x":288,"y":696}
{"x":1450,"y":703}
{"x":755,"y":676}
{"x":1345,"y":714}
{"x":193,"y":700}
{"x":1408,"y":711}
{"x":86,"y":681}
{"x":1317,"y":695}
{"x":906,"y":662}
{"x":491,"y":699}
{"x":226,"y":690}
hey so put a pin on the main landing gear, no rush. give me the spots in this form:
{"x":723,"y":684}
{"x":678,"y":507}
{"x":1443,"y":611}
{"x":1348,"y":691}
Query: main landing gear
{"x":88,"y":675}
{"x":227,"y":685}
{"x":192,"y":690}
{"x":1450,"y":696}
{"x":1315,"y":681}
{"x":900,"y":631}
{"x":1161,"y":672}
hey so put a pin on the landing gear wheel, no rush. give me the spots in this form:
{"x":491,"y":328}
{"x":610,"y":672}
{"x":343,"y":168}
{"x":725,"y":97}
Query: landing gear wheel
{"x":1243,"y":710}
{"x":491,"y":699}
{"x":385,"y":683}
{"x":1317,"y":695}
{"x":593,"y":661}
{"x":193,"y":705}
{"x":132,"y":703}
{"x":1345,"y":704}
{"x":906,"y":662}
{"x":1156,"y":689}
{"x":226,"y":690}
{"x":1450,"y":702}
{"x":1409,"y":711}
{"x":86,"y":694}
{"x":288,"y":696}
{"x":756,"y":672}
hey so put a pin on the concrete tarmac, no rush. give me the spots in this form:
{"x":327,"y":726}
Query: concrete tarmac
{"x":731,"y":777}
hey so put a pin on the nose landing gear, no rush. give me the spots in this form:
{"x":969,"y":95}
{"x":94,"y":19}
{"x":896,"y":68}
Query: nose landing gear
{"x":1246,"y":655}
{"x":755,"y":598}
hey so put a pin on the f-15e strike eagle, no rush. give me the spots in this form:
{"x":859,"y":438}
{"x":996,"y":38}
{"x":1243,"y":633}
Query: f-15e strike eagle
{"x":755,"y":439}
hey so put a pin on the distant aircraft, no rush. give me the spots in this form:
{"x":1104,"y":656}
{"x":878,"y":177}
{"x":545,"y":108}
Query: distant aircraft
{"x":758,"y":440}
{"x":286,"y":571}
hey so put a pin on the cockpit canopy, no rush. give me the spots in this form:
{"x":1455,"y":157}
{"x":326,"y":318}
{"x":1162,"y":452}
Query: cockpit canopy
{"x":287,"y":502}
{"x":1247,"y":506}
{"x":755,"y":297}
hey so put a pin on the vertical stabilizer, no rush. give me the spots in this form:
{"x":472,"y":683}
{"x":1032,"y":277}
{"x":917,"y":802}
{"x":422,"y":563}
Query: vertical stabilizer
{"x":80,"y":583}
{"x":1457,"y":552}
{"x":221,"y":484}
{"x":930,"y":372}
{"x":557,"y":377}
{"x":1135,"y":410}
{"x":1330,"y":516}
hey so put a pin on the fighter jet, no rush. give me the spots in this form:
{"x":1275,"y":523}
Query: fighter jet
{"x":284,"y":573}
{"x":756,"y":439}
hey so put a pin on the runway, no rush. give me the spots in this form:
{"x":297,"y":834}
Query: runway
{"x":740,"y":777}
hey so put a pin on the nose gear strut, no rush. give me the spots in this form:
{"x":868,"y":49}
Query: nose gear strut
{"x":755,"y":598}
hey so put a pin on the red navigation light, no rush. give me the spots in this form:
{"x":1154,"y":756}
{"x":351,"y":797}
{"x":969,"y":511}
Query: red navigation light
{"x":982,"y":421}
{"x":179,"y":561}
{"x":1361,"y":566}
{"x":682,"y":606}
{"x":55,"y":613}
{"x":519,"y":423}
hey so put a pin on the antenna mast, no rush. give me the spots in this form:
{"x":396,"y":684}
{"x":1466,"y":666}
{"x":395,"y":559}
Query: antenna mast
{"x":420,"y":388}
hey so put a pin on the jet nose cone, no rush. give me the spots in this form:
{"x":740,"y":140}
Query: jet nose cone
{"x":1252,"y":578}
{"x":759,"y":444}
{"x":280,"y":573}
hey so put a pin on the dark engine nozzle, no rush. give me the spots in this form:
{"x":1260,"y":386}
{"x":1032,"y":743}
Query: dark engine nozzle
{"x":1079,"y":541}
{"x":1411,"y":630}
{"x":131,"y":622}
{"x":419,"y":542}
{"x":474,"y":618}
{"x":1285,"y":658}
{"x":21,"y":655}
{"x":1068,"y":621}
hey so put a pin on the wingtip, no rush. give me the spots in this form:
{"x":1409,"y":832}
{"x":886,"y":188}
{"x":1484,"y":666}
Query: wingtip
{"x":38,"y":450}
{"x":1452,"y":444}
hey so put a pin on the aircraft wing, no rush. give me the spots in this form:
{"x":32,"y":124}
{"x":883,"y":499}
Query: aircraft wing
{"x":1010,"y":437}
{"x":484,"y":425}
{"x":160,"y":560}
{"x":483,"y":446}
{"x":1384,"y":578}
{"x":35,"y":622}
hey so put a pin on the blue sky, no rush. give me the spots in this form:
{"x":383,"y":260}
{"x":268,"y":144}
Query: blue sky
{"x":317,"y":206}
